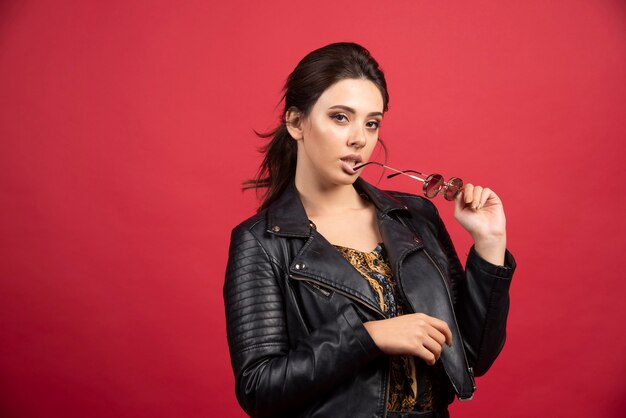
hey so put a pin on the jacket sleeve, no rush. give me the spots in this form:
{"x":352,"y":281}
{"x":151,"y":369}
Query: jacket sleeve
{"x":481,"y":302}
{"x":483,"y":307}
{"x":272,"y":378}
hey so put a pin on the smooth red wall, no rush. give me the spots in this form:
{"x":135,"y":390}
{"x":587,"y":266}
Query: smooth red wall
{"x":127,"y":127}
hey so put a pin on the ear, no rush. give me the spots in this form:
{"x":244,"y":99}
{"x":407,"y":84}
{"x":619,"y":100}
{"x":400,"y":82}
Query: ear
{"x":294,"y":122}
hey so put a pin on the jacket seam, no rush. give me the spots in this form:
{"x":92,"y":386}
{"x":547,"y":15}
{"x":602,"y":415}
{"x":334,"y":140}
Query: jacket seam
{"x":255,"y":346}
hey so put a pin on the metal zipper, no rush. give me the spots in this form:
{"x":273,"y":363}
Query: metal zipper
{"x":320,"y":289}
{"x":320,"y":286}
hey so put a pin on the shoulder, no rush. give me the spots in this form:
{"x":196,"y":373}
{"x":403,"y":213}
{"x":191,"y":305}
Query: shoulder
{"x":254,"y":226}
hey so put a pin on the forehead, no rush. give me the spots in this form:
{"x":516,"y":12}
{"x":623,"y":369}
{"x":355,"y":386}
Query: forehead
{"x":359,"y":94}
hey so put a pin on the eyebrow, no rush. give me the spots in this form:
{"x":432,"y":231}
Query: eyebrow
{"x":351,"y":110}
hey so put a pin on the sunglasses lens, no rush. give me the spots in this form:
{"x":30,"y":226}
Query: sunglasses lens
{"x":433,"y":185}
{"x":453,"y":188}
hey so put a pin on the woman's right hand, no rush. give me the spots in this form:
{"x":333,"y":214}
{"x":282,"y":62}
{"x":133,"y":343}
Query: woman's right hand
{"x":416,"y":334}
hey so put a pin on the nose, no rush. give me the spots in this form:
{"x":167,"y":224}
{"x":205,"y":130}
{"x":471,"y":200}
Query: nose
{"x":358,"y":138}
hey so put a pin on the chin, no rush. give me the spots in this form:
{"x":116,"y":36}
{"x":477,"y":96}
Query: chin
{"x":346,"y":180}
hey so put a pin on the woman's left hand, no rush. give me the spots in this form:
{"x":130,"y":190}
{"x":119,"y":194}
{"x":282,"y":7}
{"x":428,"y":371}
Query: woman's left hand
{"x":479,"y":210}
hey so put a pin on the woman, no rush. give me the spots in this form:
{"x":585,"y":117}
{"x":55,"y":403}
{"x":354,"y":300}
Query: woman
{"x":346,"y":301}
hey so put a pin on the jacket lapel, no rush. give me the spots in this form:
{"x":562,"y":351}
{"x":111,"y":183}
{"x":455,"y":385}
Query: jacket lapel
{"x":317,"y":259}
{"x":399,"y":240}
{"x":320,"y":261}
{"x":418,"y":274}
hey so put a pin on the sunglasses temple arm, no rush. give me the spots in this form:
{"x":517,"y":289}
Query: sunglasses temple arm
{"x":390,"y":176}
{"x":392,"y":169}
{"x":408,"y":175}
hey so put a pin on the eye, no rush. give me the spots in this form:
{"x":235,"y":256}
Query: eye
{"x":373,"y":124}
{"x":339,"y":117}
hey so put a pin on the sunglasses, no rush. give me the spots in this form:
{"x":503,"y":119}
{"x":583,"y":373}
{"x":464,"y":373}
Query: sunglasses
{"x":434,"y":184}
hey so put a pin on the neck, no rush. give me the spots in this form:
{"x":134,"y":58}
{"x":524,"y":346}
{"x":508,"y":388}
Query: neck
{"x":319,"y":200}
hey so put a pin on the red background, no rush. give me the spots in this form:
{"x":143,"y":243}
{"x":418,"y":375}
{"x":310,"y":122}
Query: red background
{"x":127,"y":127}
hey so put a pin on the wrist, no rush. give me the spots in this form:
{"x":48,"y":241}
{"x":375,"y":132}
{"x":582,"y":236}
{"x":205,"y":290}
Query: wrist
{"x":491,"y":249}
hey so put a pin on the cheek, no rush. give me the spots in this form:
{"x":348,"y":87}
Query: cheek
{"x":325,"y":135}
{"x":324,"y":129}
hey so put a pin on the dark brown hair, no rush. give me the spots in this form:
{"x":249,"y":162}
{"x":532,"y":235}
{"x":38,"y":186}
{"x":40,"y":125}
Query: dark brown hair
{"x":315,"y":73}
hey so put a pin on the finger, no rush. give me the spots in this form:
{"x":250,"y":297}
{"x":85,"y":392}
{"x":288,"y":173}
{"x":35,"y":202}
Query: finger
{"x":433,"y":346}
{"x":459,"y":203}
{"x":442,"y":327}
{"x":425,"y":354}
{"x":484,"y":196}
{"x":468,"y":193}
{"x":436,"y":335}
{"x":478,"y":190}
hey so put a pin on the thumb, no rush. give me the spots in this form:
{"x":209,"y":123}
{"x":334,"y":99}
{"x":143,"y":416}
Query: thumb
{"x":459,"y":203}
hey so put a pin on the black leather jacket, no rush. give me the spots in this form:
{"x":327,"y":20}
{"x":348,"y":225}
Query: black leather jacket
{"x":295,"y":308}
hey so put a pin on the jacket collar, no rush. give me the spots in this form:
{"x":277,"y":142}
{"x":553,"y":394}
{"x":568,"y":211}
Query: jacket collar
{"x":287,"y":217}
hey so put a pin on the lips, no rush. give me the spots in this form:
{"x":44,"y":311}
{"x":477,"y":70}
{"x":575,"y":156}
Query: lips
{"x":348,"y":163}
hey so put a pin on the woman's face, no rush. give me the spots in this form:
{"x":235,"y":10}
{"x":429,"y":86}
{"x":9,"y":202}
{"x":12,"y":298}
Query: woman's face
{"x":339,"y":133}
